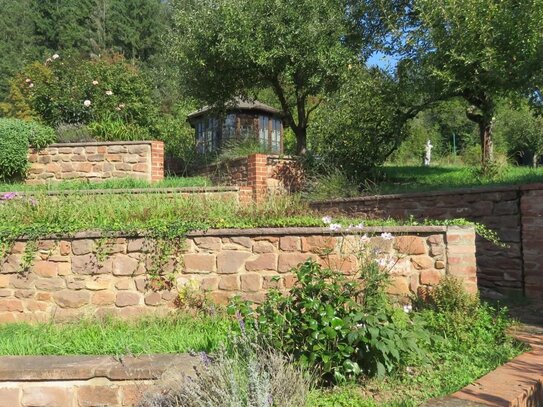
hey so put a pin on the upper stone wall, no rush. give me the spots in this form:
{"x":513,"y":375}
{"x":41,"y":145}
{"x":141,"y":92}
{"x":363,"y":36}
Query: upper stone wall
{"x":97,"y":161}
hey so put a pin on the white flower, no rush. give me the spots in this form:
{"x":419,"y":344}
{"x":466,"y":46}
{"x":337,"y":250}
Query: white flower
{"x":95,"y":82}
{"x":381,"y":262}
{"x":56,"y":56}
{"x":109,"y":92}
{"x":28,"y":80}
{"x":387,"y":236}
{"x":30,"y":85}
{"x":87,"y":103}
{"x":407,"y":308}
{"x":335,"y":226}
{"x":360,"y":326}
{"x":360,"y":225}
{"x":121,"y":105}
{"x":326,"y":220}
{"x":118,"y":108}
{"x":364,"y":239}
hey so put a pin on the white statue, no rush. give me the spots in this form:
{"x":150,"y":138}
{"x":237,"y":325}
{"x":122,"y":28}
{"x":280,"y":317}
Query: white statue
{"x":428,"y":153}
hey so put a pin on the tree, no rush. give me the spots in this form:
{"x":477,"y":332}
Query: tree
{"x":229,"y":48}
{"x":16,"y":39}
{"x":479,"y":50}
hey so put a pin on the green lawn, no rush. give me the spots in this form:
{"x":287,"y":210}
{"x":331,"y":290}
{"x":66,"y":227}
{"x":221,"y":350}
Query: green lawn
{"x":399,"y":179}
{"x":125,"y":183}
{"x":177,"y":334}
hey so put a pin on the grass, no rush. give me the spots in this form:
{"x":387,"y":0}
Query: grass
{"x":178,"y":334}
{"x":399,"y":179}
{"x":125,"y":183}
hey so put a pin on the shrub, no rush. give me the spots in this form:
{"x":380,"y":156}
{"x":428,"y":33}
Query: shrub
{"x":341,"y":326}
{"x":55,"y":92}
{"x":16,"y":136}
{"x":247,"y":375}
{"x":117,"y":130}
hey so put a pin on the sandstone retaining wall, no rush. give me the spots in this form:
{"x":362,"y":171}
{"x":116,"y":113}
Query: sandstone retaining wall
{"x":78,"y":381}
{"x":97,"y":161}
{"x":514,"y":212}
{"x":89,"y":275}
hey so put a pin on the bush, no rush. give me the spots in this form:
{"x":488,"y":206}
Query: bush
{"x":247,"y":375}
{"x":16,"y":136}
{"x":341,"y":326}
{"x":55,"y":92}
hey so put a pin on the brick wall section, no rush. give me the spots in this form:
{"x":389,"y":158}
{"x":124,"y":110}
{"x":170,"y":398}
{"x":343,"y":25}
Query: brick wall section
{"x":157,"y":161}
{"x":97,"y":161}
{"x":72,"y":277}
{"x":531,"y":205}
{"x":514,"y":212}
{"x":77,"y":381}
{"x":254,"y":174}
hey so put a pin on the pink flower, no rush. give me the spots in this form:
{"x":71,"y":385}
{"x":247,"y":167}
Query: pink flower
{"x":335,"y":227}
{"x":387,"y":236}
{"x":326,"y":220}
{"x":87,"y":103}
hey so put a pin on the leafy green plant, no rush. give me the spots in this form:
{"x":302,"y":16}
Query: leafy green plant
{"x":117,"y":130}
{"x":340,"y":326}
{"x":16,"y":136}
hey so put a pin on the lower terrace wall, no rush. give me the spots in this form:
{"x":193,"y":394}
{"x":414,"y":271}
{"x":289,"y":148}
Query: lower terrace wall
{"x":97,"y":161}
{"x":90,"y":275}
{"x":514,"y":212}
{"x":76,"y":381}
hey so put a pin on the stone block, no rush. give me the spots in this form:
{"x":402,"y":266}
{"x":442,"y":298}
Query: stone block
{"x":220,"y":297}
{"x":71,"y":299}
{"x":422,"y":262}
{"x":272,"y":281}
{"x":125,"y":299}
{"x":440,"y":265}
{"x":200,"y":263}
{"x":98,"y":284}
{"x":251,"y":282}
{"x":288,"y":261}
{"x":124,"y":265}
{"x":243,"y":241}
{"x":75,"y":282}
{"x":289,"y":280}
{"x":92,"y":396}
{"x":430,"y":277}
{"x":229,"y":283}
{"x":82,"y":246}
{"x":132,"y":393}
{"x":266,"y":261}
{"x":136,"y":245}
{"x":9,"y":396}
{"x":47,"y":396}
{"x":4,"y":281}
{"x":11,"y":305}
{"x":45,"y":269}
{"x":263,"y":247}
{"x":23,"y":294}
{"x":231,"y":261}
{"x":209,"y":283}
{"x":398,"y":286}
{"x":318,"y":244}
{"x":153,"y":299}
{"x":103,"y":298}
{"x":410,"y":245}
{"x":208,"y":243}
{"x":22,"y":281}
{"x":50,"y":284}
{"x":124,"y":284}
{"x":290,"y":243}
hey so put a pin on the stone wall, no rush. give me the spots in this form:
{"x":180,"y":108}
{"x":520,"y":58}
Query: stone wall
{"x":88,"y":275}
{"x":258,"y":175}
{"x":97,"y":161}
{"x":77,"y":381}
{"x":514,"y":212}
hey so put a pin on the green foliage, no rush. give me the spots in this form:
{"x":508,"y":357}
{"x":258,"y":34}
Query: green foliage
{"x":16,"y":136}
{"x":330,"y":185}
{"x":229,"y":48}
{"x":341,"y":326}
{"x":56,"y":92}
{"x":109,"y":336}
{"x":362,"y":124}
{"x":117,"y":130}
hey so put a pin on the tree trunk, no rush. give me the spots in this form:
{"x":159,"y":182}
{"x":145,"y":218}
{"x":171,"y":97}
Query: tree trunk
{"x":487,"y":145}
{"x":535,"y":159}
{"x":301,"y":139}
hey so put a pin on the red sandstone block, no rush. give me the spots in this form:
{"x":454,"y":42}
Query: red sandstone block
{"x":90,"y":396}
{"x":9,"y":396}
{"x":42,"y":396}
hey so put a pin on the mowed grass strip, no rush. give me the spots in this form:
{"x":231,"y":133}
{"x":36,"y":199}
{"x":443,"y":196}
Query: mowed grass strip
{"x":109,"y":336}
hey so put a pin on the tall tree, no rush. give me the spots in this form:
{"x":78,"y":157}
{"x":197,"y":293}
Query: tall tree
{"x":227,"y":48}
{"x":16,"y":39}
{"x":479,"y":50}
